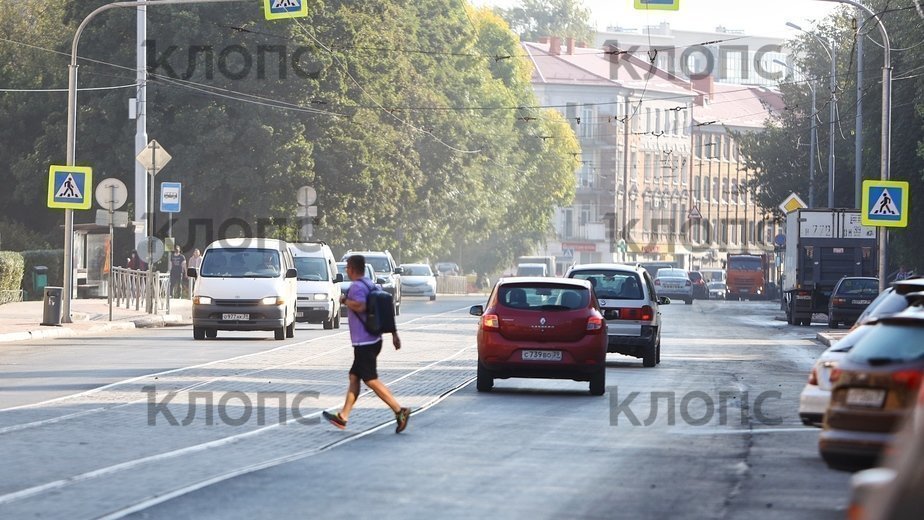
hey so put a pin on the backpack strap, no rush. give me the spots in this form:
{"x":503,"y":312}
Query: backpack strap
{"x":367,"y":298}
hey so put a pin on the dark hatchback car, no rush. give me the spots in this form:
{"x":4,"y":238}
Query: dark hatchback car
{"x":875,"y":386}
{"x":541,"y":328}
{"x":850,"y":297}
{"x":891,"y":301}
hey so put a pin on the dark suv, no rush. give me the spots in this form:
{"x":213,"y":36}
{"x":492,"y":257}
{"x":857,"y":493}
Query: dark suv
{"x":387,"y":272}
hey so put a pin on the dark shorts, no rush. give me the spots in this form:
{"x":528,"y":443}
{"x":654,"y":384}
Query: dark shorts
{"x":364,"y":357}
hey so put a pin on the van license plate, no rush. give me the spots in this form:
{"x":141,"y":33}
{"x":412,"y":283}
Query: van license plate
{"x":868,"y":397}
{"x":541,"y":355}
{"x":235,"y":317}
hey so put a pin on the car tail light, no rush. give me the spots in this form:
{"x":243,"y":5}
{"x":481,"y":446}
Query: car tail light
{"x":911,"y":379}
{"x":839,"y":301}
{"x":813,"y":377}
{"x":594,"y":324}
{"x":490,"y":322}
{"x":835,"y":375}
{"x":647,"y":313}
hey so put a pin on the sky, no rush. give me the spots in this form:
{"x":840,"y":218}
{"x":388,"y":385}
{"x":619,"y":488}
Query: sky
{"x":755,"y":17}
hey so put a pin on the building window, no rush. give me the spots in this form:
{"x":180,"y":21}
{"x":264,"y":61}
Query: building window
{"x":696,"y":188}
{"x":648,"y":127}
{"x":716,"y":196}
{"x":657,"y":120}
{"x":567,"y":229}
{"x":707,"y":189}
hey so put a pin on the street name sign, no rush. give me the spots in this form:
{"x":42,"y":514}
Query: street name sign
{"x":885,"y":203}
{"x":658,"y":5}
{"x":69,"y":187}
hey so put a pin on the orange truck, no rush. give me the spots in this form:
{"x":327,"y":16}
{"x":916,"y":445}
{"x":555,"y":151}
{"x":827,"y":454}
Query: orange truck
{"x":746,"y":276}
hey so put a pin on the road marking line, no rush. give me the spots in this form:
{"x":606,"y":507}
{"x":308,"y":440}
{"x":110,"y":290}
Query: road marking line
{"x":57,"y":484}
{"x":748,"y":431}
{"x":174,"y":370}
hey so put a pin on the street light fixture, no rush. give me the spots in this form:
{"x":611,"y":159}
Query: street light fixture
{"x":832,"y":108}
{"x":72,"y":135}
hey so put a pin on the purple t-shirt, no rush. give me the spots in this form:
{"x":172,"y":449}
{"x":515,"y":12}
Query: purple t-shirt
{"x":359,"y":336}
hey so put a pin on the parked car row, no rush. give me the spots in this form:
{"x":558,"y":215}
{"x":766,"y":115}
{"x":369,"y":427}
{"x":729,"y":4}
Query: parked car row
{"x":861,"y":389}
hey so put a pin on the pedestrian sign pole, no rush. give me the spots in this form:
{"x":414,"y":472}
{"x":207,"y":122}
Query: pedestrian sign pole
{"x":69,"y":189}
{"x":884,"y":204}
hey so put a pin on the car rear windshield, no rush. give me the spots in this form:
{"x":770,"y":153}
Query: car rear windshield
{"x":889,"y":302}
{"x":543,"y":297}
{"x":240,"y":263}
{"x":890,"y":343}
{"x":313,"y":269}
{"x":858,"y":287}
{"x":379,"y":264}
{"x":695,"y":276}
{"x":620,"y":285}
{"x":672,"y":273}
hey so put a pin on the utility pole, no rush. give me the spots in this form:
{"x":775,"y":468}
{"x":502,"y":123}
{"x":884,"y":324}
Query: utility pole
{"x":141,"y":122}
{"x":858,"y":132}
{"x":832,"y":114}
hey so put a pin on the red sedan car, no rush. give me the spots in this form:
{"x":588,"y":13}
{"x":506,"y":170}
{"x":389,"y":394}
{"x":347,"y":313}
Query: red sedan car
{"x":541,"y":328}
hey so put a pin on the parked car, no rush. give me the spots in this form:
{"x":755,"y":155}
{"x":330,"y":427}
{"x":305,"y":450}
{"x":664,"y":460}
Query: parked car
{"x":849,"y":298}
{"x":541,"y":327}
{"x":891,"y":301}
{"x":318,"y":284}
{"x":244,"y":284}
{"x":700,"y":289}
{"x":875,"y":386}
{"x":418,"y":280}
{"x":814,"y":399}
{"x":674,"y":283}
{"x":717,"y":290}
{"x":345,"y":284}
{"x":893,"y":491}
{"x":627,"y":299}
{"x":387,"y":272}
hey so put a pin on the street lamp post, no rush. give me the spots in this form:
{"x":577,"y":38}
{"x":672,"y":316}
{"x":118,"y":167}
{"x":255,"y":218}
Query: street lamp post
{"x":886,"y":152}
{"x":813,"y":137}
{"x":72,"y":134}
{"x":832,"y":108}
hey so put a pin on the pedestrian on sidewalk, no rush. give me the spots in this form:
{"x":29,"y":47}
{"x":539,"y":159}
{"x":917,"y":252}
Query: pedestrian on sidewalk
{"x":366,"y":348}
{"x":195,"y":261}
{"x":177,"y":272}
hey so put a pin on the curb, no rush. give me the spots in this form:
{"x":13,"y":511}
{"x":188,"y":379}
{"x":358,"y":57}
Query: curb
{"x":168,"y":320}
{"x":827,"y":339}
{"x":63,"y":332}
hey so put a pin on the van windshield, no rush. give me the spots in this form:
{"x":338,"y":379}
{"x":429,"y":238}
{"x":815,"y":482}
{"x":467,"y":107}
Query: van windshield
{"x":240,"y":263}
{"x":312,"y":269}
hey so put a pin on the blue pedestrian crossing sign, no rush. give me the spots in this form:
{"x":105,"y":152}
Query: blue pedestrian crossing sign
{"x":278,"y":9}
{"x":885,"y":203}
{"x":658,"y":5}
{"x":70,"y":187}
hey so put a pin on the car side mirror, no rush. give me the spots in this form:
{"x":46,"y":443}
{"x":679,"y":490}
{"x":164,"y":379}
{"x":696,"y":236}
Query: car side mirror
{"x":399,"y":270}
{"x":664,"y":300}
{"x":476,"y":310}
{"x":381,"y":280}
{"x":192,"y":272}
{"x":291,"y":272}
{"x":338,"y":278}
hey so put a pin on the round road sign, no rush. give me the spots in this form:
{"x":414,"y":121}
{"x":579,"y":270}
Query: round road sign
{"x":150,"y":249}
{"x":306,"y":196}
{"x":111,"y":194}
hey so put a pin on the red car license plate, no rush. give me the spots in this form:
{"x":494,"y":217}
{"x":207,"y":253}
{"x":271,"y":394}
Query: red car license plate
{"x":541,"y":355}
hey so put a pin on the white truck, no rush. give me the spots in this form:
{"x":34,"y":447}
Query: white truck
{"x":533,"y":266}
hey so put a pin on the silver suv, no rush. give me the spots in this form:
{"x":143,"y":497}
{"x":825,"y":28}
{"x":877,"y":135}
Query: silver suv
{"x":629,"y":303}
{"x":387,"y":272}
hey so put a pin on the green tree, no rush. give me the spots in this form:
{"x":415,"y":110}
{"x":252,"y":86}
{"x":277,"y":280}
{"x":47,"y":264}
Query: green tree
{"x":532,"y":19}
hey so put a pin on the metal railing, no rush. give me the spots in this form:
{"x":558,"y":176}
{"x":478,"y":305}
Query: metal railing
{"x":130,"y":286}
{"x":451,"y":285}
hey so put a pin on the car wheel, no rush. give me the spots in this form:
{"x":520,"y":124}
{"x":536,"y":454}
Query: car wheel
{"x":688,"y":301}
{"x":280,"y":333}
{"x":484,"y":382}
{"x":598,"y":382}
{"x":329,"y":324}
{"x":432,"y":297}
{"x":658,"y":353}
{"x":651,"y":357}
{"x":290,"y":330}
{"x":832,"y":323}
{"x":211,"y":333}
{"x":198,"y":333}
{"x":337,"y":320}
{"x":397,"y":308}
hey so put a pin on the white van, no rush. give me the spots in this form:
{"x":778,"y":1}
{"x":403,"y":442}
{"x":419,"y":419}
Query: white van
{"x":318,"y":284}
{"x":244,"y":284}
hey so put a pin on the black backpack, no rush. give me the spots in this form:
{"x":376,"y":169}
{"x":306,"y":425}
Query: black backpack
{"x":380,"y":311}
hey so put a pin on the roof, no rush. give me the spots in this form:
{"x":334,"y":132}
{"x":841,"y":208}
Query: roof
{"x":593,"y":267}
{"x":543,"y":280}
{"x":744,"y":106}
{"x":249,"y":243}
{"x":594,"y":67}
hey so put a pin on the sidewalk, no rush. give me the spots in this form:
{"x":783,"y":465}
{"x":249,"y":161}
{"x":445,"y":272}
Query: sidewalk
{"x":21,"y":321}
{"x":830,"y":337}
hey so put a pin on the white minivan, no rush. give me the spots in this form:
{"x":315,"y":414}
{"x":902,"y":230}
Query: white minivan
{"x":318,"y":284}
{"x":245,"y":284}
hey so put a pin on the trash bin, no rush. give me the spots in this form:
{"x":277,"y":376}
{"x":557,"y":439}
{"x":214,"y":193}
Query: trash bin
{"x":52,"y":307}
{"x":39,"y":278}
